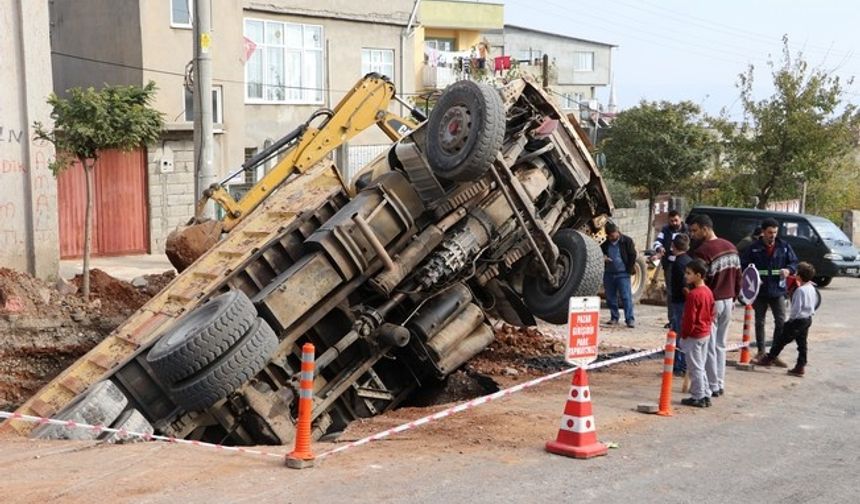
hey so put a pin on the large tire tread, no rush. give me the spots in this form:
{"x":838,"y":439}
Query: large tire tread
{"x":584,"y":278}
{"x":132,"y":421}
{"x":100,"y":405}
{"x":225,"y":375}
{"x":487,"y":144}
{"x":203,"y":345}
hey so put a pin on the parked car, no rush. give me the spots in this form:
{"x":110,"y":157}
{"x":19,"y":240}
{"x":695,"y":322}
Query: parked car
{"x":815,"y":239}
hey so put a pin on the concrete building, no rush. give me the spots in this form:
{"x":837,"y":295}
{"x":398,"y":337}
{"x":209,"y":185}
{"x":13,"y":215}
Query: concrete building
{"x":274,"y":63}
{"x":451,"y":26}
{"x":28,"y":191}
{"x":578,"y":67}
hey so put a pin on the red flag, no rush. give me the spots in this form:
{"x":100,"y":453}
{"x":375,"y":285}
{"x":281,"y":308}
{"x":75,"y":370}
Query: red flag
{"x":248,"y":48}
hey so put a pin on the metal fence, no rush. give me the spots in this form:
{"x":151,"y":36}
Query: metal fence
{"x":360,"y":155}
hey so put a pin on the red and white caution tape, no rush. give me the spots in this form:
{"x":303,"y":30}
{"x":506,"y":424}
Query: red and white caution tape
{"x":123,"y":433}
{"x":485,"y":399}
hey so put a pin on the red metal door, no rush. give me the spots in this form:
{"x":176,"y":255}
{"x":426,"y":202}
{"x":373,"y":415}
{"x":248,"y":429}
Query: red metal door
{"x":120,"y":216}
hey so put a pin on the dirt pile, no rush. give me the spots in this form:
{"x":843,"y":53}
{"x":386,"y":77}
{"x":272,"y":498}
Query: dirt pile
{"x":156,"y":283}
{"x":519,"y":350}
{"x":116,"y":297}
{"x":44,"y":327}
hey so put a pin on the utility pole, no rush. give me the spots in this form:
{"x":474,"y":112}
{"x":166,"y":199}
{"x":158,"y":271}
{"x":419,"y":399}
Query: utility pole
{"x":203,"y":136}
{"x":803,"y":196}
{"x":545,"y":71}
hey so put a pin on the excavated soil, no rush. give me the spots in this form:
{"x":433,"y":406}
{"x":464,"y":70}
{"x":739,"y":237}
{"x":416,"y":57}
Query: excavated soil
{"x":515,"y":352}
{"x":518,"y":350}
{"x":44,"y":327}
{"x":116,"y":296}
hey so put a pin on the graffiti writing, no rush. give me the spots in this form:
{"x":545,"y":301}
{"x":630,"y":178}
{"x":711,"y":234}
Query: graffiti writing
{"x":12,"y":166}
{"x":7,"y":210}
{"x":9,"y":238}
{"x":10,"y":135}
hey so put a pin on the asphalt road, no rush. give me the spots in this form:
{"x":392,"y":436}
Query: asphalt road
{"x":772,"y":438}
{"x":781,"y":439}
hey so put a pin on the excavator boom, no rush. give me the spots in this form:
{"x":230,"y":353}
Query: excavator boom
{"x":365,"y":105}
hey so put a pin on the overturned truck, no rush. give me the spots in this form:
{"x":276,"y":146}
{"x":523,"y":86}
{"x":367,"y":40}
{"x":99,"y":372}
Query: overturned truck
{"x":491,"y":208}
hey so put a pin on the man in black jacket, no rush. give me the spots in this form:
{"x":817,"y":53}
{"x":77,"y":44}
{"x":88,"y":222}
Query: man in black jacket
{"x":663,"y":247}
{"x":619,"y":255}
{"x":775,"y":260}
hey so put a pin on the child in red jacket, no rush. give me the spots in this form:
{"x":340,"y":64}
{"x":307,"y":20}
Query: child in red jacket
{"x":695,"y":331}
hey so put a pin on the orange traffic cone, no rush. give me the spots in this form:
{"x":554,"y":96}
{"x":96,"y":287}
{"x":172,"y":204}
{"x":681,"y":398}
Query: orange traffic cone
{"x":302,"y":456}
{"x":744,"y":361}
{"x":577,"y":436}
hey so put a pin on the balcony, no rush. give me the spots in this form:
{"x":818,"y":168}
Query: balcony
{"x":435,"y":77}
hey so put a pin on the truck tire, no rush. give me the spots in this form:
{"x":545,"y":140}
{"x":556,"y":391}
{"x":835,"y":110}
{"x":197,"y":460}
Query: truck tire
{"x":581,"y":261}
{"x":229,"y":371}
{"x":639,"y":279}
{"x":100,"y":405}
{"x":201,"y":336}
{"x":132,"y":421}
{"x":465,"y":131}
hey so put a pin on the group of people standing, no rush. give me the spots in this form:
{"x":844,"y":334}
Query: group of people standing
{"x":703,"y":280}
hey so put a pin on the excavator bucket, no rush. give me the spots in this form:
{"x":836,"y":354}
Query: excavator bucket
{"x":186,"y":243}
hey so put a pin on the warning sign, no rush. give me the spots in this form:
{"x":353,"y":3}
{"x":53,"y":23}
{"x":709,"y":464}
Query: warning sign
{"x":581,"y":348}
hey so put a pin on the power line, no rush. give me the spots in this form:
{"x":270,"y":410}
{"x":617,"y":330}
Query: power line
{"x":710,"y":24}
{"x":656,"y":39}
{"x":227,"y":81}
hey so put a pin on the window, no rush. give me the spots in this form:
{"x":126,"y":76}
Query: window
{"x":287,"y":64}
{"x":583,"y":61}
{"x":380,"y":61}
{"x":568,"y":102}
{"x":796,"y":230}
{"x":217,"y":105}
{"x":530,"y":56}
{"x":439,"y":44}
{"x":181,"y":13}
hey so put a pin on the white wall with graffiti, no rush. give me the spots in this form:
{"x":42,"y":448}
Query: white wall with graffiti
{"x":28,"y":190}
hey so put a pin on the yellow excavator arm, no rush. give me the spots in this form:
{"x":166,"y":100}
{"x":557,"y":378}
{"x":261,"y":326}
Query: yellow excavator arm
{"x":365,"y":105}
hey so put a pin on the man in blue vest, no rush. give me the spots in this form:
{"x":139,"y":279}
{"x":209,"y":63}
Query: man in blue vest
{"x":775,"y":260}
{"x":663,"y":247}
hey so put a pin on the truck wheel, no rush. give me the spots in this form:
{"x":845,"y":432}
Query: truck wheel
{"x":101,"y":405}
{"x":581,"y":271}
{"x":465,"y":131}
{"x":132,"y":421}
{"x":822,"y":281}
{"x":201,"y":336}
{"x":229,"y":371}
{"x":639,"y":279}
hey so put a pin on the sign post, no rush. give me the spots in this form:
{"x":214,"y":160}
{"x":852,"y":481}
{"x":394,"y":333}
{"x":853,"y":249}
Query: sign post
{"x":750,"y":285}
{"x":577,"y":434}
{"x":582,"y":338}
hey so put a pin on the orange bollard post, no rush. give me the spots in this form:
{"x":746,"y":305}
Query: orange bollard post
{"x":668,"y":364}
{"x":744,"y":363}
{"x":302,"y":456}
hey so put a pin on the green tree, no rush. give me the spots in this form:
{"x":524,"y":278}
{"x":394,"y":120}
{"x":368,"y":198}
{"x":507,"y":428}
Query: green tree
{"x":800,"y":133}
{"x":657,"y":146}
{"x":90,"y":121}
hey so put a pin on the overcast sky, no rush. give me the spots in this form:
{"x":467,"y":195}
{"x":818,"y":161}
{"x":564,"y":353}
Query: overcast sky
{"x":694,"y":49}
